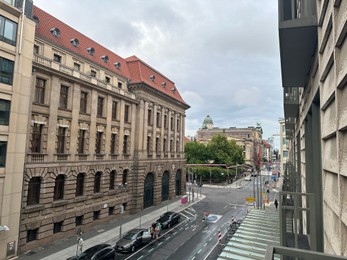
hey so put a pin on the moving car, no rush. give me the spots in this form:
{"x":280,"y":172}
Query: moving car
{"x":98,"y":252}
{"x":169,"y":219}
{"x":132,"y":240}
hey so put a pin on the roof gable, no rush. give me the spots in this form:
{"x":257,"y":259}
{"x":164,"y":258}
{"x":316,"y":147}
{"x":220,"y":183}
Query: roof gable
{"x":142,"y":72}
{"x":47,"y":22}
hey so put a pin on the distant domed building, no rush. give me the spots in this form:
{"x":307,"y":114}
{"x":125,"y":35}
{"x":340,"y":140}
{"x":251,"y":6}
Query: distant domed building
{"x":208,"y":123}
{"x":248,"y":138}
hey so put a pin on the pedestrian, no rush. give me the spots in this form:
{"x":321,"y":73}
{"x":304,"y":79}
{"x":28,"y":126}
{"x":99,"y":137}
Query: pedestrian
{"x":159,"y":229}
{"x":156,"y":231}
{"x":151,"y":231}
{"x":79,"y":246}
{"x":232,"y":220}
{"x":276,"y":203}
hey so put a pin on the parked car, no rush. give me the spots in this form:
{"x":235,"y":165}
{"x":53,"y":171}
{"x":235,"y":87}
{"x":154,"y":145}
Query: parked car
{"x":248,"y":178}
{"x":169,"y":219}
{"x":98,"y":252}
{"x":132,"y":240}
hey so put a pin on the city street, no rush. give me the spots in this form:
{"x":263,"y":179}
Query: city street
{"x":193,"y":238}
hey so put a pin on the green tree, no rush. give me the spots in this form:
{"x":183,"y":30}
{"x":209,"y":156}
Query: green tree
{"x":223,"y":151}
{"x":196,"y":153}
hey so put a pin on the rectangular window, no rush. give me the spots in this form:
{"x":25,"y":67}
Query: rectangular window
{"x":6,"y":71}
{"x":96,"y":215}
{"x":3,"y":151}
{"x":114,"y":110}
{"x":61,"y":140}
{"x":57,"y":58}
{"x":149,"y":118}
{"x":36,"y":49}
{"x":40,"y":87}
{"x":64,"y":91}
{"x":171,"y":146}
{"x":5,"y":106}
{"x":57,"y":227}
{"x":172,"y":123}
{"x":165,"y":146}
{"x":165,"y":121}
{"x":36,"y":138}
{"x":149,"y":139}
{"x":98,"y":142}
{"x":158,"y":119}
{"x":113,"y":143}
{"x":110,"y":211}
{"x":125,"y":144}
{"x":79,"y":220}
{"x":8,"y":31}
{"x":100,"y":106}
{"x":178,"y":125}
{"x":112,"y":179}
{"x":83,"y":102}
{"x":107,"y":80}
{"x":77,"y":66}
{"x":93,"y":73}
{"x":126,"y":114}
{"x":120,"y":84}
{"x":81,"y":140}
{"x":32,"y":234}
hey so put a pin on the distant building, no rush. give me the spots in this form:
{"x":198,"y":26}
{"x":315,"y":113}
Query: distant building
{"x":250,"y":138}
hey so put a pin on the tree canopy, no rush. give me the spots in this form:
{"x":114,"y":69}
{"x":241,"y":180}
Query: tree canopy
{"x":220,"y":150}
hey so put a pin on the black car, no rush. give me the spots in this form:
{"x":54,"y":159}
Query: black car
{"x":98,"y":252}
{"x":133,"y":239}
{"x":169,"y":219}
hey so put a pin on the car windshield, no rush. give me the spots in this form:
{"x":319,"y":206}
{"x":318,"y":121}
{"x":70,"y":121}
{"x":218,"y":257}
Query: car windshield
{"x":129,"y":235}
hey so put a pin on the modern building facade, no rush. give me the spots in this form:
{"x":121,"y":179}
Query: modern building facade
{"x":17,"y":32}
{"x":89,"y":135}
{"x":313,"y":49}
{"x":250,"y":138}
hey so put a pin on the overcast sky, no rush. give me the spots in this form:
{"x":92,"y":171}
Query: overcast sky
{"x":223,"y":55}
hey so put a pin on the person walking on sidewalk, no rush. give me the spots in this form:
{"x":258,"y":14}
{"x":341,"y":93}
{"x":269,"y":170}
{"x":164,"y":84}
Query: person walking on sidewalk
{"x":276,"y":203}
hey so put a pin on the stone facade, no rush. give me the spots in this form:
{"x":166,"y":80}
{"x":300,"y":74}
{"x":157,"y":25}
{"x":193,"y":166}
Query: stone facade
{"x":316,"y":128}
{"x":96,"y":135}
{"x":16,"y":45}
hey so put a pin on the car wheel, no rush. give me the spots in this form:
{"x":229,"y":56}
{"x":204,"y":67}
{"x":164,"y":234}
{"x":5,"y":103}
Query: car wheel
{"x":133,"y":248}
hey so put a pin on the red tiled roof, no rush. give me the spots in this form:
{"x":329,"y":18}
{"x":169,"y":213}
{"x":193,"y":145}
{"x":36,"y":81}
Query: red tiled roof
{"x":131,"y":68}
{"x":47,"y":22}
{"x":141,"y":72}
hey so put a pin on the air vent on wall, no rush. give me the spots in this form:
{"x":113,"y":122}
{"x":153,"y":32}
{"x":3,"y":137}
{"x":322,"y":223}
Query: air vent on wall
{"x":152,"y":77}
{"x":117,"y":65}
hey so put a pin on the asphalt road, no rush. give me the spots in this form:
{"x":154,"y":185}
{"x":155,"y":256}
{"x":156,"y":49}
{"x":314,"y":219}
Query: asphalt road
{"x":193,"y":238}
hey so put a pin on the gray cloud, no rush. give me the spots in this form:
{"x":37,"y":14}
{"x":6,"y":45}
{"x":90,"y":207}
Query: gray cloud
{"x":223,"y":55}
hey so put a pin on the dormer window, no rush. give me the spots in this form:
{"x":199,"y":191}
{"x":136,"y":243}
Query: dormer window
{"x":173,"y":90}
{"x":152,"y":77}
{"x":117,"y":65}
{"x":75,"y":42}
{"x":163,"y":84}
{"x":91,"y":50}
{"x":104,"y":58}
{"x":55,"y":32}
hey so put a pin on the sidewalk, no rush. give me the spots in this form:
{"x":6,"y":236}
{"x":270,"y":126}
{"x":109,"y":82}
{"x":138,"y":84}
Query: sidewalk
{"x":109,"y":232}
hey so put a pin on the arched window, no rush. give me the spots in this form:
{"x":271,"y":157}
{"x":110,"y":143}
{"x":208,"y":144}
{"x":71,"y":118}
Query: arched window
{"x":79,"y":184}
{"x":59,"y":187}
{"x":34,"y":191}
{"x":112,"y":179}
{"x":97,"y":182}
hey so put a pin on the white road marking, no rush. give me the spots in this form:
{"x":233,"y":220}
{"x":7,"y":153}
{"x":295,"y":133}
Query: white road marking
{"x":193,"y":229}
{"x":210,"y":239}
{"x":205,"y":244}
{"x":160,"y":243}
{"x":168,"y":238}
{"x":186,"y":228}
{"x":199,"y":251}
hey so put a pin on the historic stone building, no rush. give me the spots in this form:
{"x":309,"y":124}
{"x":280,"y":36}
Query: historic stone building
{"x":89,"y":134}
{"x":16,"y":45}
{"x":250,"y":138}
{"x":314,"y":80}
